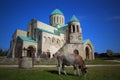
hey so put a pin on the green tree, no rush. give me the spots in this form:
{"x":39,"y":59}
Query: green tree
{"x":3,"y":52}
{"x":109,"y":52}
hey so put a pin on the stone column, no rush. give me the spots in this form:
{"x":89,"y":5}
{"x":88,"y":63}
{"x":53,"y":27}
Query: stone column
{"x":71,"y":28}
{"x":13,"y":53}
{"x":55,"y":19}
{"x":36,"y":54}
{"x":75,"y":28}
{"x":52,"y":20}
{"x":13,"y":49}
{"x":60,"y":20}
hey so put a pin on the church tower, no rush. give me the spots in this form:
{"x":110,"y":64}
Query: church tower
{"x":75,"y":31}
{"x":57,"y":18}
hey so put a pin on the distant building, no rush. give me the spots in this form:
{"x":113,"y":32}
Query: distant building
{"x":43,"y":40}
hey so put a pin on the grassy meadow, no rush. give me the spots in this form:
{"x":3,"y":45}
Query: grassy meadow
{"x":94,"y":73}
{"x":54,"y":62}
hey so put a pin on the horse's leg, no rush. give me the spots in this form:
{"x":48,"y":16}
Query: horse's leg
{"x":78,"y":70}
{"x":59,"y":66}
{"x":59,"y":69}
{"x":63,"y":67}
{"x":74,"y":70}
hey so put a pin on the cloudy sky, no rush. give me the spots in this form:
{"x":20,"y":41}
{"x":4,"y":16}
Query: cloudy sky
{"x":100,"y":19}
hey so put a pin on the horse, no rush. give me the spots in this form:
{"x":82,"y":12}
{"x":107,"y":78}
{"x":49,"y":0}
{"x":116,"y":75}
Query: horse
{"x":74,"y":60}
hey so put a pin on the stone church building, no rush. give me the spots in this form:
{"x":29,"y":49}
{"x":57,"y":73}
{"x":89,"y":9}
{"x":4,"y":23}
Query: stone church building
{"x":42,"y":40}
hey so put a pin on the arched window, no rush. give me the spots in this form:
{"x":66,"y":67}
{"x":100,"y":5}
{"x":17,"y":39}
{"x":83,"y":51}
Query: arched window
{"x":77,"y":28}
{"x":73,"y":28}
{"x":53,"y":40}
{"x":28,"y":34}
{"x":87,"y":52}
{"x":31,"y":51}
{"x":45,"y":39}
{"x":35,"y":33}
{"x":58,"y":41}
{"x":13,"y":40}
{"x":49,"y":40}
{"x":54,"y":20}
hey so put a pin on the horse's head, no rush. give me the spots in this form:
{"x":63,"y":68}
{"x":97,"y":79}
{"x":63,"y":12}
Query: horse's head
{"x":84,"y":70}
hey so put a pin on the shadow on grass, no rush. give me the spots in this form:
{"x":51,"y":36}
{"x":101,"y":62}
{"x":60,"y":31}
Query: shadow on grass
{"x":56,"y":72}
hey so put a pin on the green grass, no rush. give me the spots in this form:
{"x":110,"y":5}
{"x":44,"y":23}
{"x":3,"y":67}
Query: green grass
{"x":94,"y":73}
{"x":54,"y":62}
{"x":99,"y":61}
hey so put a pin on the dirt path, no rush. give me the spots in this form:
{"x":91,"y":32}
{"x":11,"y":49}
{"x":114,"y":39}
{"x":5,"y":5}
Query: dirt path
{"x":56,"y":66}
{"x":114,"y":61}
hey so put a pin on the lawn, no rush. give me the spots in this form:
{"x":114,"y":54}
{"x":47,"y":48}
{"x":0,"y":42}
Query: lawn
{"x":100,"y":61}
{"x":94,"y":73}
{"x":5,"y":61}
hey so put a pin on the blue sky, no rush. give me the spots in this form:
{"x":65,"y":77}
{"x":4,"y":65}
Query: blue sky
{"x":100,"y":19}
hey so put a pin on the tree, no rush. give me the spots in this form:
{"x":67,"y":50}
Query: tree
{"x":96,"y":55}
{"x":109,"y":52}
{"x":3,"y":53}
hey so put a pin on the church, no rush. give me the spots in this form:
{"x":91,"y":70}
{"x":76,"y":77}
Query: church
{"x":42,"y":40}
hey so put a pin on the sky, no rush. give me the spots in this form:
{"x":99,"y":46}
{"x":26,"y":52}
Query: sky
{"x":99,"y":19}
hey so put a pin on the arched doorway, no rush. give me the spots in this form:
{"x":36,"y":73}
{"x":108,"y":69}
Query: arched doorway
{"x":76,"y":52}
{"x":89,"y":50}
{"x":87,"y":53}
{"x":31,"y":51}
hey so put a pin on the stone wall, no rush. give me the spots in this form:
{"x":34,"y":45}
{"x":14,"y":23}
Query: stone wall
{"x":13,"y":43}
{"x":52,"y":42}
{"x":70,"y":48}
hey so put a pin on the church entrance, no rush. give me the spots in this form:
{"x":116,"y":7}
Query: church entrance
{"x":76,"y":52}
{"x":31,"y":51}
{"x":87,"y":50}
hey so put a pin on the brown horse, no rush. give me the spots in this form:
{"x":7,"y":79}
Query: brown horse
{"x":70,"y":59}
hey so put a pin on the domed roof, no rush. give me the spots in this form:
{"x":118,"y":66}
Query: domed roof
{"x":74,"y":19}
{"x":56,"y":11}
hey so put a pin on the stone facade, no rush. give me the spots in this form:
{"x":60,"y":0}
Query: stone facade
{"x":42,"y":40}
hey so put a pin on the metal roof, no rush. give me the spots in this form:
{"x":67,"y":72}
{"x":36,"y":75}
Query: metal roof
{"x":74,"y":19}
{"x":84,"y":41}
{"x":56,"y":32}
{"x":56,"y":11}
{"x":26,"y":39}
